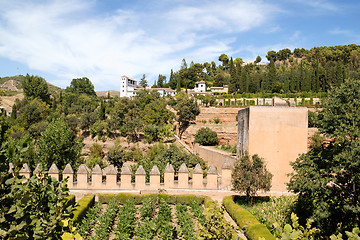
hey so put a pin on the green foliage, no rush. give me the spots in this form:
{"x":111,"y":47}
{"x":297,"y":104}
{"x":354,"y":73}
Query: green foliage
{"x":32,"y":111}
{"x":207,"y":137}
{"x":185,"y":222}
{"x":245,"y":220}
{"x":116,"y":155}
{"x":269,"y":210}
{"x":87,"y":223}
{"x":187,"y":110}
{"x":32,"y":208}
{"x":296,"y":231}
{"x":250,"y":175}
{"x":227,"y":148}
{"x":81,"y":85}
{"x":312,"y":119}
{"x":35,"y":87}
{"x":126,"y":221}
{"x":58,"y":145}
{"x":82,"y":207}
{"x":96,"y":150}
{"x":326,"y":177}
{"x":215,"y":226}
{"x":106,"y":221}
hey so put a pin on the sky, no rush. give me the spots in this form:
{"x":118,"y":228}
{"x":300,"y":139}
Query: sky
{"x":103,"y":40}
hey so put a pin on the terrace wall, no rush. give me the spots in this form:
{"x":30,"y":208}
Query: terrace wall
{"x":110,"y":179}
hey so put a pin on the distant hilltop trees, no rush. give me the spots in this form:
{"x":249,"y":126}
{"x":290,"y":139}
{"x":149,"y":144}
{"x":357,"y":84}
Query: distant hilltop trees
{"x":300,"y":70}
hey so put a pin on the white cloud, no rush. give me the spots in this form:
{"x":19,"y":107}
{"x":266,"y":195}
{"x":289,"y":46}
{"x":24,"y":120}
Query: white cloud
{"x":66,"y":39}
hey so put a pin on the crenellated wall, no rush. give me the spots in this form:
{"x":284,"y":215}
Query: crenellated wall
{"x":107,"y":179}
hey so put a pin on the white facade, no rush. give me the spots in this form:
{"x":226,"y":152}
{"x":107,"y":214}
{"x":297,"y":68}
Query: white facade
{"x":200,"y":86}
{"x":164,"y":91}
{"x":127,"y":87}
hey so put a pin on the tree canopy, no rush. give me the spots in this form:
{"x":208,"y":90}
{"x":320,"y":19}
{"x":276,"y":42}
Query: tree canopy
{"x":36,"y":87}
{"x":81,"y":85}
{"x":327,"y":178}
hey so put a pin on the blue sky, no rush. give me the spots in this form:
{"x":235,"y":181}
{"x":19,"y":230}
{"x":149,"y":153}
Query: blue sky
{"x":105,"y":39}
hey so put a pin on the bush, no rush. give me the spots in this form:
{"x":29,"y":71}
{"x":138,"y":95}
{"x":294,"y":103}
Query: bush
{"x":253,"y":229}
{"x":122,"y":198}
{"x":82,"y":206}
{"x":206,"y":136}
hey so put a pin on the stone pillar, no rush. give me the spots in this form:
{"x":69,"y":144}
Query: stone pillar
{"x":54,"y":171}
{"x":197,"y":180}
{"x":111,"y":177}
{"x":82,"y":177}
{"x":69,"y":173}
{"x":183,"y":177}
{"x":11,"y":168}
{"x":169,"y":176}
{"x":37,"y":170}
{"x":155,"y":178}
{"x":212,"y":178}
{"x":226,"y":174}
{"x":125,"y":178}
{"x":140,"y":178}
{"x":25,"y":171}
{"x":96,"y":179}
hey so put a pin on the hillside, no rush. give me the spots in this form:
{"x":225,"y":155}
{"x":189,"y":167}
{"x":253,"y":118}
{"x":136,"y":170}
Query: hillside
{"x":12,"y":85}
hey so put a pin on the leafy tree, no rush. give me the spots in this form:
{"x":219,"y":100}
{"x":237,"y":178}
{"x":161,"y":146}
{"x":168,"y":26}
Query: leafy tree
{"x":258,"y":59}
{"x":31,"y":209}
{"x":116,"y":155}
{"x":187,"y":110}
{"x":327,"y":177}
{"x":32,"y":111}
{"x":224,"y":59}
{"x":143,"y":82}
{"x":36,"y":87}
{"x":81,"y":85}
{"x":58,"y":145}
{"x":207,"y":137}
{"x":250,"y":175}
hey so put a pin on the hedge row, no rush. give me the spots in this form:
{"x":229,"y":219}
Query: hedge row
{"x":122,"y":198}
{"x":69,"y":201}
{"x":252,"y":228}
{"x":82,"y":206}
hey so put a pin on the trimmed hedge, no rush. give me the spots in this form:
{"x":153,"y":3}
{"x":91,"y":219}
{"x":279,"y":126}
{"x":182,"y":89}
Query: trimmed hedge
{"x":122,"y":198}
{"x":252,"y":228}
{"x":69,"y":201}
{"x":82,"y":206}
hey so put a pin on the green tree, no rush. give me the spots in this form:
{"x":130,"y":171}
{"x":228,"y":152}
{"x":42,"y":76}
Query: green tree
{"x":143,"y":82}
{"x":250,"y":175}
{"x":326,"y":178}
{"x":81,"y":85}
{"x":207,"y":137}
{"x":257,"y":60}
{"x":116,"y":155}
{"x":187,"y":110}
{"x":224,"y":59}
{"x":31,"y":209}
{"x":35,"y":87}
{"x":58,"y":145}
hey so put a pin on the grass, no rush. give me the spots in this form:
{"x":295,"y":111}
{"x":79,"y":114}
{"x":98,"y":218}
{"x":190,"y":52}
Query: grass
{"x":227,"y":148}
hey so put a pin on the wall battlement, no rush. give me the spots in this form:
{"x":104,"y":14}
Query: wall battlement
{"x":108,"y":178}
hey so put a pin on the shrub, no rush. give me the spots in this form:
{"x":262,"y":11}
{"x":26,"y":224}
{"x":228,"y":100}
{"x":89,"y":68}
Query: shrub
{"x":206,"y":137}
{"x":253,"y":229}
{"x":82,"y":206}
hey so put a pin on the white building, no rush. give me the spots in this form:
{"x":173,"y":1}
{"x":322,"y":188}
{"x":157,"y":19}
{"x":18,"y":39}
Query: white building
{"x":128,"y":87}
{"x":164,"y":91}
{"x":200,"y":86}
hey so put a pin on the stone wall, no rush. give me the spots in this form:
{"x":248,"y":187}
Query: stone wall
{"x":108,"y":178}
{"x":213,"y":156}
{"x":277,"y":134}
